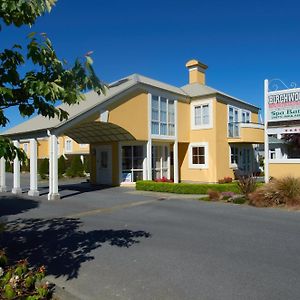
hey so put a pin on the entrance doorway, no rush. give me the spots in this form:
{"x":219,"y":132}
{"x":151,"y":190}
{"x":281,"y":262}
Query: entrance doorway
{"x":104,"y":164}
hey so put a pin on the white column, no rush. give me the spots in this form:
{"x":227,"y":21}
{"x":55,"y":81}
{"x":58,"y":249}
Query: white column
{"x":53,"y":169}
{"x":145,"y":168}
{"x":266,"y":166}
{"x":3,"y":187}
{"x":169,"y":163}
{"x":33,"y":169}
{"x":17,"y":187}
{"x":175,"y":154}
{"x":149,"y":159}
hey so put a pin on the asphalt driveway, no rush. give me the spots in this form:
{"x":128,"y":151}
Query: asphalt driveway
{"x":117,"y":243}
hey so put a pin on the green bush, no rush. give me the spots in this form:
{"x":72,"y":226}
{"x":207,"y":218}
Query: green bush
{"x":61,"y":166}
{"x":8,"y":166}
{"x":185,"y":188}
{"x":44,"y":168}
{"x":21,"y":282}
{"x":86,"y":164}
{"x":76,"y":169}
{"x":25,"y":166}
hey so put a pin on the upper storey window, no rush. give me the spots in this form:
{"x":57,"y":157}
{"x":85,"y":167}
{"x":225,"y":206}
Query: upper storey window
{"x":162,"y":116}
{"x":201,"y":114}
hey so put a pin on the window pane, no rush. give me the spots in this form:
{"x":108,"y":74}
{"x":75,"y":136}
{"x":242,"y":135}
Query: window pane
{"x":154,"y":127}
{"x":171,"y":129}
{"x":138,"y":151}
{"x":163,"y":104}
{"x":163,"y":129}
{"x":155,"y":102}
{"x":201,"y":160}
{"x":201,"y":150}
{"x":163,"y":116}
{"x":155,"y":115}
{"x":205,"y":114}
{"x":197,"y":111}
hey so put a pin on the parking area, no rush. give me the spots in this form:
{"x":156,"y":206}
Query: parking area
{"x":117,"y":243}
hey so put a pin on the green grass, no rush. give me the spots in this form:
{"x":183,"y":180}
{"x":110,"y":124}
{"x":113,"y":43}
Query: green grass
{"x":185,"y":188}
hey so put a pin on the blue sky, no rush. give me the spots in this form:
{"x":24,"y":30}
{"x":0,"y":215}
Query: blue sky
{"x":242,"y":42}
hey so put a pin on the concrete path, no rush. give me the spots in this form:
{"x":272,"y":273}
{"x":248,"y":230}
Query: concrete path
{"x":117,"y":243}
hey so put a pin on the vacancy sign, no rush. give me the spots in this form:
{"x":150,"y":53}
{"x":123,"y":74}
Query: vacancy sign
{"x":283,"y":105}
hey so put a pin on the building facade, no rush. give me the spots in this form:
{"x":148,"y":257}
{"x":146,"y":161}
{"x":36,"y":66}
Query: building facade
{"x":144,"y":129}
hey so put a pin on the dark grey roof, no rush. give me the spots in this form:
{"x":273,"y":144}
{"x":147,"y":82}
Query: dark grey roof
{"x":197,"y":90}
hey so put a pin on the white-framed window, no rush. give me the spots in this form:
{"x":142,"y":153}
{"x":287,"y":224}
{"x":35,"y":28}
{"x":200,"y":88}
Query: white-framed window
{"x":246,"y":116}
{"x":160,"y":165}
{"x":83,"y":145}
{"x":234,"y":156}
{"x":68,"y":145}
{"x":162,"y":116}
{"x":26,"y":147}
{"x":132,"y":162}
{"x":198,"y":155}
{"x":233,"y":122}
{"x":201,"y":114}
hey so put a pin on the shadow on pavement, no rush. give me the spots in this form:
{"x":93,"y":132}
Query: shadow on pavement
{"x":76,"y":188}
{"x":59,"y":244}
{"x":13,"y":205}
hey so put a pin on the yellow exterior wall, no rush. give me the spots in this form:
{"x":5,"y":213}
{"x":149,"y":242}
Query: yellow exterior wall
{"x":132,"y":115}
{"x":115,"y":162}
{"x":196,"y":77}
{"x":43,"y":149}
{"x":198,"y":136}
{"x":184,"y":121}
{"x":284,"y":169}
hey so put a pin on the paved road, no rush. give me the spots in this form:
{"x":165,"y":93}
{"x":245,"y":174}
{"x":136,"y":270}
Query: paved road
{"x":121,"y":244}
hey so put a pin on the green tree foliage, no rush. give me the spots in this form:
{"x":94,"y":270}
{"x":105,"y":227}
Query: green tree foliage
{"x":76,"y":169}
{"x":50,"y":79}
{"x":44,"y":168}
{"x":61,"y":166}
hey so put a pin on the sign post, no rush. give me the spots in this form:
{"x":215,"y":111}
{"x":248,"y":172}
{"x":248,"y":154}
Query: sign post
{"x":266,"y":169}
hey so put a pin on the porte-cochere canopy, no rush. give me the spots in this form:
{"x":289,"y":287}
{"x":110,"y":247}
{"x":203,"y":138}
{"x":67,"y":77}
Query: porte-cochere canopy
{"x":98,"y":132}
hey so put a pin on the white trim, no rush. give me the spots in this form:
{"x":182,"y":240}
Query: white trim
{"x":198,"y":166}
{"x":201,"y":102}
{"x":233,"y":165}
{"x":71,"y":145}
{"x":252,"y":125}
{"x":104,"y":116}
{"x":284,"y":161}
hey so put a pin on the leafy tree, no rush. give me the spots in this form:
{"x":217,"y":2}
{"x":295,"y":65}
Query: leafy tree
{"x":50,"y":80}
{"x":44,"y":168}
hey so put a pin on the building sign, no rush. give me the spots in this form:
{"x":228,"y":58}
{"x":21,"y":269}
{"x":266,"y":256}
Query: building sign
{"x":283,"y":105}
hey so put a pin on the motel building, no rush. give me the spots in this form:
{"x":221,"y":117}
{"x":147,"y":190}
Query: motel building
{"x":144,"y":129}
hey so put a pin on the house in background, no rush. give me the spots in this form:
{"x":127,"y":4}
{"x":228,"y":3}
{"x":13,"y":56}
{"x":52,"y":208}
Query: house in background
{"x":66,"y":147}
{"x":144,"y":129}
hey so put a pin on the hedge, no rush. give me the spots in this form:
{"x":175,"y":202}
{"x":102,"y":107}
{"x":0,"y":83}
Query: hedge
{"x":185,"y":188}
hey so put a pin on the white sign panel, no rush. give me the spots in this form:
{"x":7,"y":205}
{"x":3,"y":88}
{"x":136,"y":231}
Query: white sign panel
{"x":283,"y":105}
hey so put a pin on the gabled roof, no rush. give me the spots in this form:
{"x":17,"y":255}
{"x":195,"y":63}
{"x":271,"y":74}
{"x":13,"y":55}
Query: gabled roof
{"x":40,"y":123}
{"x":197,"y":90}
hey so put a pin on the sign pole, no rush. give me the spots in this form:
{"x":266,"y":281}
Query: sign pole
{"x":266,"y":169}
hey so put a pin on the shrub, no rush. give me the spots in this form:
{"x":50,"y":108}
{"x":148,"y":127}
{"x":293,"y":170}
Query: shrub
{"x":76,"y":169}
{"x":246,"y":185}
{"x":185,"y":188}
{"x":86,"y":164}
{"x":21,"y":282}
{"x":8,"y":166}
{"x":227,"y":195}
{"x":285,"y":191}
{"x":214,"y":195}
{"x":226,"y":179}
{"x":44,"y":168}
{"x":239,"y":200}
{"x":25,"y":166}
{"x":61,"y":166}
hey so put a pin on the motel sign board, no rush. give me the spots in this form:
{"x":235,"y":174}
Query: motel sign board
{"x":283,"y":105}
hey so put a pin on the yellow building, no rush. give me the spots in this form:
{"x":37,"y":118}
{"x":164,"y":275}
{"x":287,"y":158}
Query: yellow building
{"x":146,"y":129}
{"x":66,"y":147}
